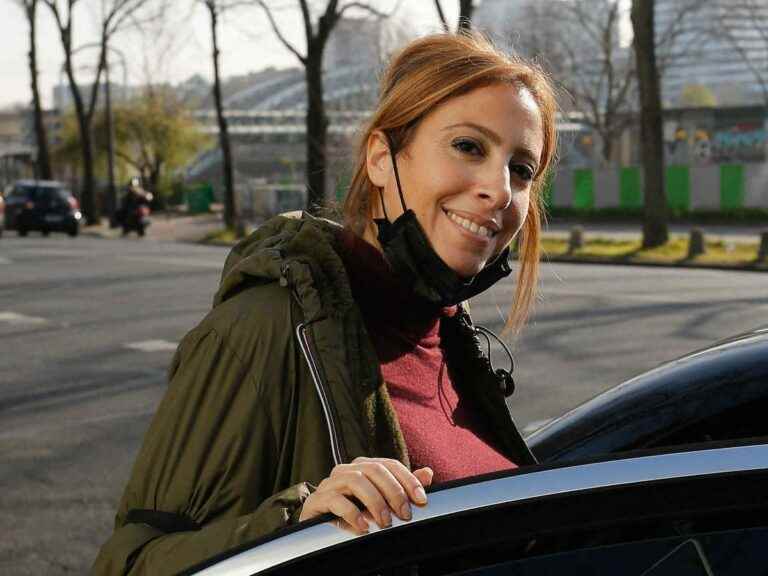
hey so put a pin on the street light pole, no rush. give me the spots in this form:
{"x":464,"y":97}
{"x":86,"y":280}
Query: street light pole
{"x":111,"y":189}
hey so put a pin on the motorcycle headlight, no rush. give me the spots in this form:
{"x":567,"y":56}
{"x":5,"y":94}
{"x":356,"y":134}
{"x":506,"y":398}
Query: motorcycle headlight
{"x":78,"y":215}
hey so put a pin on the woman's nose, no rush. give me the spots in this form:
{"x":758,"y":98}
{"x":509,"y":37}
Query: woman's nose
{"x":496,"y":188}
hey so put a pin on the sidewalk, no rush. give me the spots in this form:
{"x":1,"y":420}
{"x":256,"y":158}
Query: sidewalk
{"x":633,"y":232}
{"x":165,"y":227}
{"x":604,"y":243}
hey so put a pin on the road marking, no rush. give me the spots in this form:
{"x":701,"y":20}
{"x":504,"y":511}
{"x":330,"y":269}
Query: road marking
{"x":533,"y":426}
{"x":152,"y":345}
{"x":189,"y":262}
{"x":15,"y":319}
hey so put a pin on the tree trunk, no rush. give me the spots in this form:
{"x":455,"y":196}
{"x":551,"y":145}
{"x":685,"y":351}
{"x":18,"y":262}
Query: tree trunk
{"x":231,"y":211}
{"x":655,"y":232}
{"x":44,"y":170}
{"x":87,"y":189}
{"x":317,"y":132}
{"x":466,"y":7}
{"x":606,"y":147}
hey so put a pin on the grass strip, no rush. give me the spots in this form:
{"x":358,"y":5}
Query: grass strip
{"x":717,"y":252}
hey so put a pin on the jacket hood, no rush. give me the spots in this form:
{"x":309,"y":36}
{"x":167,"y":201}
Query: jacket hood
{"x":300,"y":253}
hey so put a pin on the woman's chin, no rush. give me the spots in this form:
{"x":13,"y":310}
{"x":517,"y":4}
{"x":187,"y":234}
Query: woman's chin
{"x":465,"y":269}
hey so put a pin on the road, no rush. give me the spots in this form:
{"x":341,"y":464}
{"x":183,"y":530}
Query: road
{"x":88,"y":327}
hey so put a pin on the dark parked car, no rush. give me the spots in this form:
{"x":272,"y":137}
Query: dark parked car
{"x":663,"y":475}
{"x":42,"y":205}
{"x":2,"y":214}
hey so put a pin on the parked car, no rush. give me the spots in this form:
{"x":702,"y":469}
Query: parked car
{"x":662,"y":475}
{"x":718,"y":393}
{"x":42,"y":205}
{"x":2,"y":214}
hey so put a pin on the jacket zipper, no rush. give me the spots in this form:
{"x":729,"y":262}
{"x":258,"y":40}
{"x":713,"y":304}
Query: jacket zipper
{"x":322,"y":393}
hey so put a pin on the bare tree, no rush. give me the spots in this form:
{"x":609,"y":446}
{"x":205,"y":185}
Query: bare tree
{"x":466,"y":8}
{"x":655,"y":230}
{"x":44,"y":170}
{"x":231,"y":207}
{"x":578,"y":41}
{"x":116,"y":15}
{"x":316,"y":35}
{"x":743,"y":26}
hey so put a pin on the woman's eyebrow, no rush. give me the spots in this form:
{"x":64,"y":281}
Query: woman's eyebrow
{"x":520,"y":151}
{"x":490,"y":134}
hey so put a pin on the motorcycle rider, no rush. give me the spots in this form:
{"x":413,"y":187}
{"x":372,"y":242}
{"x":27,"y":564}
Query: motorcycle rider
{"x":135,"y":197}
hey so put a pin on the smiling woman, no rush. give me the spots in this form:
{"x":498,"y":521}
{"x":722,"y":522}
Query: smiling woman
{"x":472,"y":132}
{"x":339,"y":371}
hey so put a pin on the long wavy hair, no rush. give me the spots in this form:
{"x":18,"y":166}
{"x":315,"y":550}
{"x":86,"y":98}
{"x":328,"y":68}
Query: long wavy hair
{"x":420,"y":77}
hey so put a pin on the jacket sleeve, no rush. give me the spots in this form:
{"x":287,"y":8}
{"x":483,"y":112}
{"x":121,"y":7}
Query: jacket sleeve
{"x":209,"y":455}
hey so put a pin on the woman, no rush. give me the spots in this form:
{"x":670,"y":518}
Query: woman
{"x":338,"y":370}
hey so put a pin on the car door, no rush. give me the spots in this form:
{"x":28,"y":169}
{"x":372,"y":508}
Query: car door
{"x":698,"y":512}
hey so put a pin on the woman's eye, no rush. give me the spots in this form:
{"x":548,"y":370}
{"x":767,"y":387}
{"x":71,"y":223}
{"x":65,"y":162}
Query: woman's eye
{"x":468,"y":147}
{"x":523,"y":171}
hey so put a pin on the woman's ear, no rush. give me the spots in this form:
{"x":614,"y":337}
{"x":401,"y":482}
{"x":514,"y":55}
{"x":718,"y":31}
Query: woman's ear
{"x":378,"y":161}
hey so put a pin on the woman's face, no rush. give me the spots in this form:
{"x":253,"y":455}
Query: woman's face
{"x":466,"y":173}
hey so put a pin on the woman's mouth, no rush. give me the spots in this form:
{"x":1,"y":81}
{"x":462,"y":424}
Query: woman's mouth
{"x":470,"y":226}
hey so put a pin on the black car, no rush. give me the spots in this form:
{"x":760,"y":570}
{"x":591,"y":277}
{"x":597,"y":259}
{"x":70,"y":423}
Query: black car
{"x":663,"y":475}
{"x":42,"y":205}
{"x":2,"y":214}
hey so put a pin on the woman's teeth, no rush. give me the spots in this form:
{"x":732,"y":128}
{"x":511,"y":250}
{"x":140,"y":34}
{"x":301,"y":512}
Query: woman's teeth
{"x":469,"y":225}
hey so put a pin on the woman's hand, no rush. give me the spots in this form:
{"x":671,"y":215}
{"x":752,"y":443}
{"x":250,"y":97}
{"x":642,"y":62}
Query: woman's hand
{"x":381,"y":485}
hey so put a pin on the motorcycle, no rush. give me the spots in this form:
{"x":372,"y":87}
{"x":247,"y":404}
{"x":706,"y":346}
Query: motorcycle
{"x":134,"y":216}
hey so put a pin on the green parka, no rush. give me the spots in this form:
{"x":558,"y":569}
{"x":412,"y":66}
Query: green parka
{"x":241,"y":436}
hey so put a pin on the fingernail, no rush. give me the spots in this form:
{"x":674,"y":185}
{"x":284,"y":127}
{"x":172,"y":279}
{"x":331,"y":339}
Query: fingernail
{"x":362,"y":524}
{"x":420,"y":495}
{"x":386,"y":518}
{"x":405,"y":512}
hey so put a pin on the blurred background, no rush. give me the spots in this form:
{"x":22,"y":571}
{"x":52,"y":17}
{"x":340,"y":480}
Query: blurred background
{"x":218,"y":114}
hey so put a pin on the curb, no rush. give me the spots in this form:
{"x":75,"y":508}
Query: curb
{"x":563,"y":259}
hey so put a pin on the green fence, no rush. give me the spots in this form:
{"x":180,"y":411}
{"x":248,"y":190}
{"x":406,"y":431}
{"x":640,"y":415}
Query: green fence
{"x":199,"y":199}
{"x":630,"y":188}
{"x":679,"y":188}
{"x":731,"y":186}
{"x":583,"y":189}
{"x":727,"y":187}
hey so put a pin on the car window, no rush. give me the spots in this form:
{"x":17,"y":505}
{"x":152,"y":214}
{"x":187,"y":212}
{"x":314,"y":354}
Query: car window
{"x":727,"y":553}
{"x":20,"y":192}
{"x":697,"y":526}
{"x":745,"y":421}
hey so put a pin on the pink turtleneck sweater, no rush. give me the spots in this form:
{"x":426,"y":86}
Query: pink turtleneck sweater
{"x":442,"y":429}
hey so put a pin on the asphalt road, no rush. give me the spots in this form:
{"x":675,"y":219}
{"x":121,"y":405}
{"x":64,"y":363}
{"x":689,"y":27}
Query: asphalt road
{"x":88,"y":327}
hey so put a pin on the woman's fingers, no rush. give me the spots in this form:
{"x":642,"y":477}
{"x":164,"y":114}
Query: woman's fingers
{"x":378,"y":484}
{"x":424,"y":475}
{"x":355,"y":482}
{"x":410,"y":481}
{"x":341,"y":506}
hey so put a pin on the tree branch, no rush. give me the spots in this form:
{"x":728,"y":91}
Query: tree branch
{"x":363,"y":6}
{"x":441,"y":15}
{"x":279,"y":34}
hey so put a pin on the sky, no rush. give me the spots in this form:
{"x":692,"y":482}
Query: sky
{"x":174,"y":51}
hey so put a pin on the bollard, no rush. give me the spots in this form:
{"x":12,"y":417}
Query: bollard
{"x":762,"y":254}
{"x":576,"y":241}
{"x":695,"y":243}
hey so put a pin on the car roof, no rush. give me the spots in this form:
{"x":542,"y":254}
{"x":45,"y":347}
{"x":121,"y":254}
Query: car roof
{"x":507,"y":488}
{"x":725,"y":375}
{"x":40,"y":183}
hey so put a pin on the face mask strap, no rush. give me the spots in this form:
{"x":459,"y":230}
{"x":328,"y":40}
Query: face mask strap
{"x":397,"y":174}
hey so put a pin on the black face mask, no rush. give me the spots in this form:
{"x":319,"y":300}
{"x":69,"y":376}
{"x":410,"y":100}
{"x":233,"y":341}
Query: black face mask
{"x":413,"y":260}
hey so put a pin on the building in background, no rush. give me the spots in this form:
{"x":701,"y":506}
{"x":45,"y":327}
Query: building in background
{"x":721,"y":46}
{"x":63,"y":101}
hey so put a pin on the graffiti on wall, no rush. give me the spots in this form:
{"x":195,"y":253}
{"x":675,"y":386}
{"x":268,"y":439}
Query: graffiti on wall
{"x":743,"y":142}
